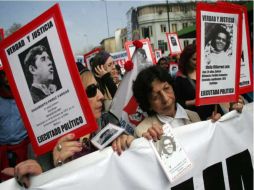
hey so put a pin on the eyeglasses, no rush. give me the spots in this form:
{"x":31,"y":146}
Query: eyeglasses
{"x":91,"y":90}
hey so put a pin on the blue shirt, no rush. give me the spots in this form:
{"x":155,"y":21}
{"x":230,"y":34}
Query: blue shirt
{"x":12,"y":130}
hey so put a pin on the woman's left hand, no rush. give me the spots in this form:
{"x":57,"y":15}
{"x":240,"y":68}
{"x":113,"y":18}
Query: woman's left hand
{"x":122,"y":143}
{"x":23,"y":171}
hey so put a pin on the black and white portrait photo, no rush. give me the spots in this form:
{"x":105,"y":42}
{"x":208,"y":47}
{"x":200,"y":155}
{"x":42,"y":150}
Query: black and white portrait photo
{"x":173,"y":41}
{"x":167,"y":146}
{"x":218,"y":49}
{"x":40,"y":70}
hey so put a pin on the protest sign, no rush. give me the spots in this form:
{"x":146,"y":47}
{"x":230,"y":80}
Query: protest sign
{"x":45,"y":81}
{"x":124,"y":105}
{"x":145,"y":52}
{"x":171,"y":155}
{"x":221,"y":153}
{"x":173,"y":69}
{"x":1,"y":65}
{"x":88,"y":56}
{"x":246,"y":73}
{"x":120,"y":58}
{"x":158,"y":54}
{"x":173,"y":43}
{"x":219,"y":37}
{"x":1,"y":38}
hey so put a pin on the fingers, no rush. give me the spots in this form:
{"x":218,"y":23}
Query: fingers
{"x":30,"y":167}
{"x":121,"y":143}
{"x":65,"y":148}
{"x":24,"y":170}
{"x":68,"y":137}
{"x":238,"y":106}
{"x":153,"y":132}
{"x":100,"y":70}
{"x":215,"y":116}
{"x":8,"y":171}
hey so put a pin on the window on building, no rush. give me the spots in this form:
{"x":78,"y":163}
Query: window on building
{"x":174,"y":27}
{"x":163,"y":28}
{"x":163,"y":46}
{"x":150,"y":30}
{"x":185,"y":25}
{"x":147,"y":32}
{"x":185,"y":43}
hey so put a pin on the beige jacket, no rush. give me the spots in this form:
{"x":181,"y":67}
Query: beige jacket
{"x":147,"y":122}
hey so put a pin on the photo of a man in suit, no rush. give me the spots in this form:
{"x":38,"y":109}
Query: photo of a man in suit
{"x":40,"y":72}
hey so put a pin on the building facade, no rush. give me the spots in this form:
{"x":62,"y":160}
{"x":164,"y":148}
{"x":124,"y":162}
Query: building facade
{"x":109,"y":44}
{"x":155,"y":20}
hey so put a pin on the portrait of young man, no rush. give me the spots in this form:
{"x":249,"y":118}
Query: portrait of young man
{"x":40,"y":71}
{"x":173,"y":41}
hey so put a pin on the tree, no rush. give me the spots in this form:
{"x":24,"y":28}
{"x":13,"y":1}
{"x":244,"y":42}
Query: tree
{"x":13,"y":28}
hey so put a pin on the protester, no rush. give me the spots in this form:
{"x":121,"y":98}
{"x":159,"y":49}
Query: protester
{"x":153,"y":90}
{"x":116,"y":74}
{"x":67,"y":148}
{"x":13,"y":135}
{"x":163,"y":63}
{"x":185,"y":83}
{"x":101,"y":67}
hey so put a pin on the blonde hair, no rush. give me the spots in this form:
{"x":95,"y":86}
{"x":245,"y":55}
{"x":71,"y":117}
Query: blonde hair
{"x":86,"y":77}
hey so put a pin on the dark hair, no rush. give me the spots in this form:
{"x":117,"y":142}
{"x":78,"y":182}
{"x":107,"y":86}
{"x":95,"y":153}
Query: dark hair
{"x":184,"y":61}
{"x":30,"y":57}
{"x":99,"y":59}
{"x":81,"y":68}
{"x":161,"y":59}
{"x":162,"y":144}
{"x":118,"y":68}
{"x":220,"y":29}
{"x":142,"y":86}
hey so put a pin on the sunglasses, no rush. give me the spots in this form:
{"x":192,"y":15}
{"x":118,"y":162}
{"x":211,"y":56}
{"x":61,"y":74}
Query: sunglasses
{"x":91,"y":90}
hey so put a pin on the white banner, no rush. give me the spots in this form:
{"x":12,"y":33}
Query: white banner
{"x":221,"y":153}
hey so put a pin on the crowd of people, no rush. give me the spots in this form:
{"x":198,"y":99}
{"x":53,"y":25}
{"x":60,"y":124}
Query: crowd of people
{"x":166,"y":97}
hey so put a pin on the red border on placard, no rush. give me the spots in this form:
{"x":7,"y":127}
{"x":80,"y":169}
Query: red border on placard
{"x":248,"y":88}
{"x":55,"y":13}
{"x":170,"y":49}
{"x":96,"y":50}
{"x":129,"y":43}
{"x":2,"y":37}
{"x":222,"y":98}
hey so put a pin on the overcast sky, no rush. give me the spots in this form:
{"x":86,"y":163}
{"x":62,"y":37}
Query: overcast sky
{"x":85,"y":21}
